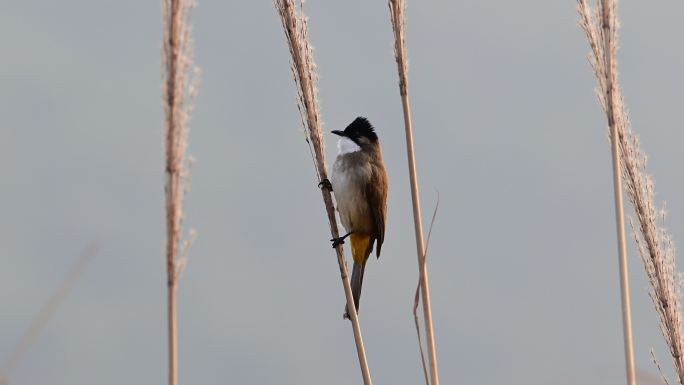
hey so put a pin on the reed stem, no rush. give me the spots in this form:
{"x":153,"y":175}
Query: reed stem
{"x":43,"y":316}
{"x":604,"y":63}
{"x":397,"y":19}
{"x":177,"y":88}
{"x":304,"y":72}
{"x":611,"y":79}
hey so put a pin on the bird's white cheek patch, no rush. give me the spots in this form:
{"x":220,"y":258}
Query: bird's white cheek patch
{"x":346,"y":146}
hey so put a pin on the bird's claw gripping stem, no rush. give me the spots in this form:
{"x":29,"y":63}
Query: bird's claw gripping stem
{"x":325,"y":183}
{"x":339,"y":240}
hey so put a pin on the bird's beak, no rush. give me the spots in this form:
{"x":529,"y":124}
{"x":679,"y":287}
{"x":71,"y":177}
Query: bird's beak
{"x":338,"y":132}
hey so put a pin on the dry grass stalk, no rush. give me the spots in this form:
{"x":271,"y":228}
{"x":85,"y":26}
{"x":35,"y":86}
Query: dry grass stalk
{"x":177,"y":88}
{"x":416,"y":299}
{"x":396,"y":8}
{"x":663,"y":377}
{"x":41,"y":319}
{"x":305,"y":76}
{"x":603,"y":43}
{"x":654,"y":243}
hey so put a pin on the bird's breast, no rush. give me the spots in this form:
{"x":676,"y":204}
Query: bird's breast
{"x":350,"y":177}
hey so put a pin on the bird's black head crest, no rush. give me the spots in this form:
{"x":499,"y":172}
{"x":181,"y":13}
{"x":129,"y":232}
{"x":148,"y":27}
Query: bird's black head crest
{"x":359,"y":128}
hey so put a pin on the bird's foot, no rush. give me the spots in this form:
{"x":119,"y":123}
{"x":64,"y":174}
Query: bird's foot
{"x":337,"y":241}
{"x":346,"y":314}
{"x":325,"y":183}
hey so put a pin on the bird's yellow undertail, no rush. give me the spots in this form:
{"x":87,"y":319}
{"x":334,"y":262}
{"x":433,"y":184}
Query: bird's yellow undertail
{"x":359,"y":246}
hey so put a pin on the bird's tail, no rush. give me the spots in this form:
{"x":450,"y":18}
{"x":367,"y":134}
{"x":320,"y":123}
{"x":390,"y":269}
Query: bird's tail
{"x":356,"y":282}
{"x":361,"y":246}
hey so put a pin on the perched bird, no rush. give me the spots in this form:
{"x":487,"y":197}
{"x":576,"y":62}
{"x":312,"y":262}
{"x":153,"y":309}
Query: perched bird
{"x":359,"y":182}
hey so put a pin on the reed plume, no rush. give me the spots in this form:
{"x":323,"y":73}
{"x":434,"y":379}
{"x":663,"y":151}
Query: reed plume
{"x":396,"y":8}
{"x":178,"y":87}
{"x":305,"y":76}
{"x":653,"y":241}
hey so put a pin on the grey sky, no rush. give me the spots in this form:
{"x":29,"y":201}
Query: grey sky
{"x":523,"y":256}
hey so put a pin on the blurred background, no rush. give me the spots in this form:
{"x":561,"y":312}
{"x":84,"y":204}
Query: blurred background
{"x":523,"y":254}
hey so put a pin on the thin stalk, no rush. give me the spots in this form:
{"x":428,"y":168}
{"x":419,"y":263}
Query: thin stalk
{"x":303,"y":69}
{"x":41,"y":319}
{"x":397,"y":18}
{"x":654,"y":243}
{"x":604,"y":48}
{"x":420,"y":245}
{"x":416,"y":299}
{"x":172,"y":335}
{"x":172,"y":173}
{"x":608,"y":26}
{"x":177,"y":89}
{"x":623,"y":265}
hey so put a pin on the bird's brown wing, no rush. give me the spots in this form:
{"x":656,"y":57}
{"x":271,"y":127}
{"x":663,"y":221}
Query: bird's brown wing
{"x":376,"y":193}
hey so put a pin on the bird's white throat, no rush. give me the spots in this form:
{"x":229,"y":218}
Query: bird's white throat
{"x":347,"y":146}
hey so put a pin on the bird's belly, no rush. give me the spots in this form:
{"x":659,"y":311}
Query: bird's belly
{"x":349,"y":186}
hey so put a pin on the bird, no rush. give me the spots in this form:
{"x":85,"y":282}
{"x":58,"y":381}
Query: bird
{"x":359,"y":184}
